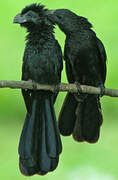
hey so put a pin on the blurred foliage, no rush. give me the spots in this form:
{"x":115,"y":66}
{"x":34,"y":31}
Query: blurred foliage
{"x":78,"y":160}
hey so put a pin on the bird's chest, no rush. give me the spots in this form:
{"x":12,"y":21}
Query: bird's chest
{"x":36,"y":60}
{"x":77,"y":56}
{"x":37,"y":65}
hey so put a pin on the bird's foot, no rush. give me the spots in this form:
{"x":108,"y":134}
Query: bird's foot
{"x":34,"y":85}
{"x":102,"y":90}
{"x":56,"y":88}
{"x":79,"y":90}
{"x":79,"y":96}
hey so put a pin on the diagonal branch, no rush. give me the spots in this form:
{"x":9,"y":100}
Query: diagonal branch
{"x":62,"y":87}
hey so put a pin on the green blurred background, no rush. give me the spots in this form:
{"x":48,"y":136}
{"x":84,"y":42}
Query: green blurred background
{"x":78,"y":161}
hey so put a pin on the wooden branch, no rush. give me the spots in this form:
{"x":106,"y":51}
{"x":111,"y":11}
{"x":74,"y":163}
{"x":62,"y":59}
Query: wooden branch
{"x":62,"y":87}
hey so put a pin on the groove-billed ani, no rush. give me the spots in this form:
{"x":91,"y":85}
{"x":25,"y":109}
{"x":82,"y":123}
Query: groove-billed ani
{"x":40,"y":143}
{"x":85,"y":59}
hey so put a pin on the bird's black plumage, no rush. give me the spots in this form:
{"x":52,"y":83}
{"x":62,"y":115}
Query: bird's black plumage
{"x":40,"y":143}
{"x":85,"y":59}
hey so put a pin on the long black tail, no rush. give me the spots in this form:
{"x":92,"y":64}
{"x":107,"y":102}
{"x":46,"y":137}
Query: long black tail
{"x":67,"y":117}
{"x":88,"y":120}
{"x":40,"y":143}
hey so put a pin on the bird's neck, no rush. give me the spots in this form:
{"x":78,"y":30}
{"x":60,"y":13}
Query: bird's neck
{"x":37,"y":35}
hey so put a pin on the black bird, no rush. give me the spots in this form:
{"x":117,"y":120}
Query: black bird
{"x":40,"y":143}
{"x":85,"y":59}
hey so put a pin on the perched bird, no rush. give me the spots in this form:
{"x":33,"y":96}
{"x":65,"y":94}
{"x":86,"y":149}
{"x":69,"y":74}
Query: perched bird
{"x":85,"y":60}
{"x":40,"y":143}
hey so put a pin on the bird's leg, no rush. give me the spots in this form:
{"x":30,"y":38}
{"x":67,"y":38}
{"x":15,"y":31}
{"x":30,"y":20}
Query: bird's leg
{"x":98,"y":81}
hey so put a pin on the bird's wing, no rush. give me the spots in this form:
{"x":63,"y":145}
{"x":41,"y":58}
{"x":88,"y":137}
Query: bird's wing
{"x":103,"y":58}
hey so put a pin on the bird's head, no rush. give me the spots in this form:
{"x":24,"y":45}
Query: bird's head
{"x":64,"y":18}
{"x":67,"y":20}
{"x":32,"y":16}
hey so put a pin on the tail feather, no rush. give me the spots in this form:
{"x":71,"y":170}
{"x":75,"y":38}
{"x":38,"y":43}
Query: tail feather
{"x":91,"y":125}
{"x":67,"y":117}
{"x":27,"y":171}
{"x":89,"y":119}
{"x":32,"y":124}
{"x":50,"y":131}
{"x":56,"y":129}
{"x":44,"y":162}
{"x":40,"y":140}
{"x":23,"y":136}
{"x":77,"y":132}
{"x":54,"y":163}
{"x":49,"y":156}
{"x":27,"y":145}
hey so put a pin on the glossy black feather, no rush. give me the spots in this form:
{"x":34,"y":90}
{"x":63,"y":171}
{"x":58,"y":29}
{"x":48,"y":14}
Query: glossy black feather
{"x":66,"y":121}
{"x":85,"y":59}
{"x":40,"y":143}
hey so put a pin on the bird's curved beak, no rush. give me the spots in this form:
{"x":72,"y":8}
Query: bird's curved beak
{"x":19,"y":19}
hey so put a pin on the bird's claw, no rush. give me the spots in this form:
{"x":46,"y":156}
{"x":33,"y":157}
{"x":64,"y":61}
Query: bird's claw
{"x":33,"y":84}
{"x":102,"y":90}
{"x":79,"y":90}
{"x":56,"y":88}
{"x":78,"y":95}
